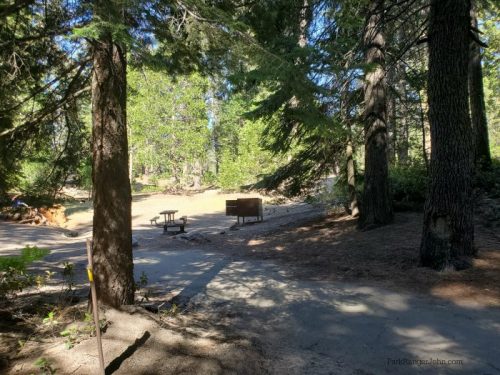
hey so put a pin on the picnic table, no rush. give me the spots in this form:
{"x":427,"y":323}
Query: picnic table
{"x":169,"y":216}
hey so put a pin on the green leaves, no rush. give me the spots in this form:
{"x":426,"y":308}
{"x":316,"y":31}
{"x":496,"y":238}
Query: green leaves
{"x":118,"y":32}
{"x":13,"y":274}
{"x":168,"y":121}
{"x":28,"y":255}
{"x":240,"y":150}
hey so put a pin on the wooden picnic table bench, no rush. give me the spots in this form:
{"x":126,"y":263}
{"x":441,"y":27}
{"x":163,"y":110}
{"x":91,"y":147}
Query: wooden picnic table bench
{"x":170,"y":222}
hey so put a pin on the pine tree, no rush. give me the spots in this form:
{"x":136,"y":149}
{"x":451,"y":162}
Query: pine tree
{"x":112,"y":230}
{"x":448,"y":233}
{"x":376,"y":203}
{"x":482,"y":155}
{"x":41,"y":86}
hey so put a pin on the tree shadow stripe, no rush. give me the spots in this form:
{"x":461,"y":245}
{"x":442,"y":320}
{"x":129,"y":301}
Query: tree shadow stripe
{"x":117,"y":362}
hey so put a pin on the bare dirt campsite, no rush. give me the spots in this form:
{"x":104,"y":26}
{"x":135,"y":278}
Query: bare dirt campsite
{"x":303,"y":292}
{"x":212,"y":187}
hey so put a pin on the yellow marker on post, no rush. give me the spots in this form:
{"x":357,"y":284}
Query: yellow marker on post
{"x":90,"y":275}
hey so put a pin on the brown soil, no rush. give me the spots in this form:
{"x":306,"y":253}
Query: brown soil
{"x":135,"y":342}
{"x":53,"y":215}
{"x":334,"y":249}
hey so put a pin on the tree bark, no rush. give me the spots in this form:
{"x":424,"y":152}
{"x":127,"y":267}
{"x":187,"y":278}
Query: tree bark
{"x":391,"y":117}
{"x":423,"y":127}
{"x":482,"y":155}
{"x":448,"y":232}
{"x":376,"y":204}
{"x":351,"y":178}
{"x":353,"y":208}
{"x":404,"y":130}
{"x":112,"y":233}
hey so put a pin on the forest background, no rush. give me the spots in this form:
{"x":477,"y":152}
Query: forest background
{"x":227,"y":127}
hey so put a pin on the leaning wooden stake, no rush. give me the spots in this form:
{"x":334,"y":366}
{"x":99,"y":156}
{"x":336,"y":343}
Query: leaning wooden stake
{"x":95,"y":310}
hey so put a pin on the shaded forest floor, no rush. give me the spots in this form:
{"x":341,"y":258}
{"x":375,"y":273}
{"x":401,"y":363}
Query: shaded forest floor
{"x":332,"y":248}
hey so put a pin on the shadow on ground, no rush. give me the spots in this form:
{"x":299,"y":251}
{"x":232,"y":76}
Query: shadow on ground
{"x":313,"y":299}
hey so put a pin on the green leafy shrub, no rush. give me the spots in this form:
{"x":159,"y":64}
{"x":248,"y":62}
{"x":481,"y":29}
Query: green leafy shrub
{"x":409,"y":186}
{"x":209,"y":178}
{"x":45,"y":367}
{"x":13,"y":274}
{"x":33,"y":173}
{"x":84,"y":174}
{"x":79,"y":331}
{"x":68,"y":274}
{"x":141,"y":286}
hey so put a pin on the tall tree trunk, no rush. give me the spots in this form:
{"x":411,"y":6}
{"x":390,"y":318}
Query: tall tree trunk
{"x":353,"y":208}
{"x":112,"y":233}
{"x":376,"y":204}
{"x":391,"y":117}
{"x":404,"y":130}
{"x":482,"y":155}
{"x":448,"y":232}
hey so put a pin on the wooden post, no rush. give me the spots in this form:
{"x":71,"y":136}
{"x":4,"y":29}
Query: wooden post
{"x":95,"y":310}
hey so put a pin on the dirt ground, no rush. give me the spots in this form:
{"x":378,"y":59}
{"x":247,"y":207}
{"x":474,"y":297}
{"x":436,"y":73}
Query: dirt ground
{"x":332,"y":248}
{"x":194,"y":341}
{"x":304,"y":292}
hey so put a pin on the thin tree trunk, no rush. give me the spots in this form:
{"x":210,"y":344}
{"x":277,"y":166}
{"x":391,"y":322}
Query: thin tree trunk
{"x":376,"y":204}
{"x":294,"y":102}
{"x":197,"y":171}
{"x":403,"y":145}
{"x":130,"y":157}
{"x":424,"y":107}
{"x":391,"y":118}
{"x":351,"y":178}
{"x":424,"y":132}
{"x":353,"y":208}
{"x":404,"y":133}
{"x":482,"y":155}
{"x":131,"y":166}
{"x":448,"y":232}
{"x":112,"y":233}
